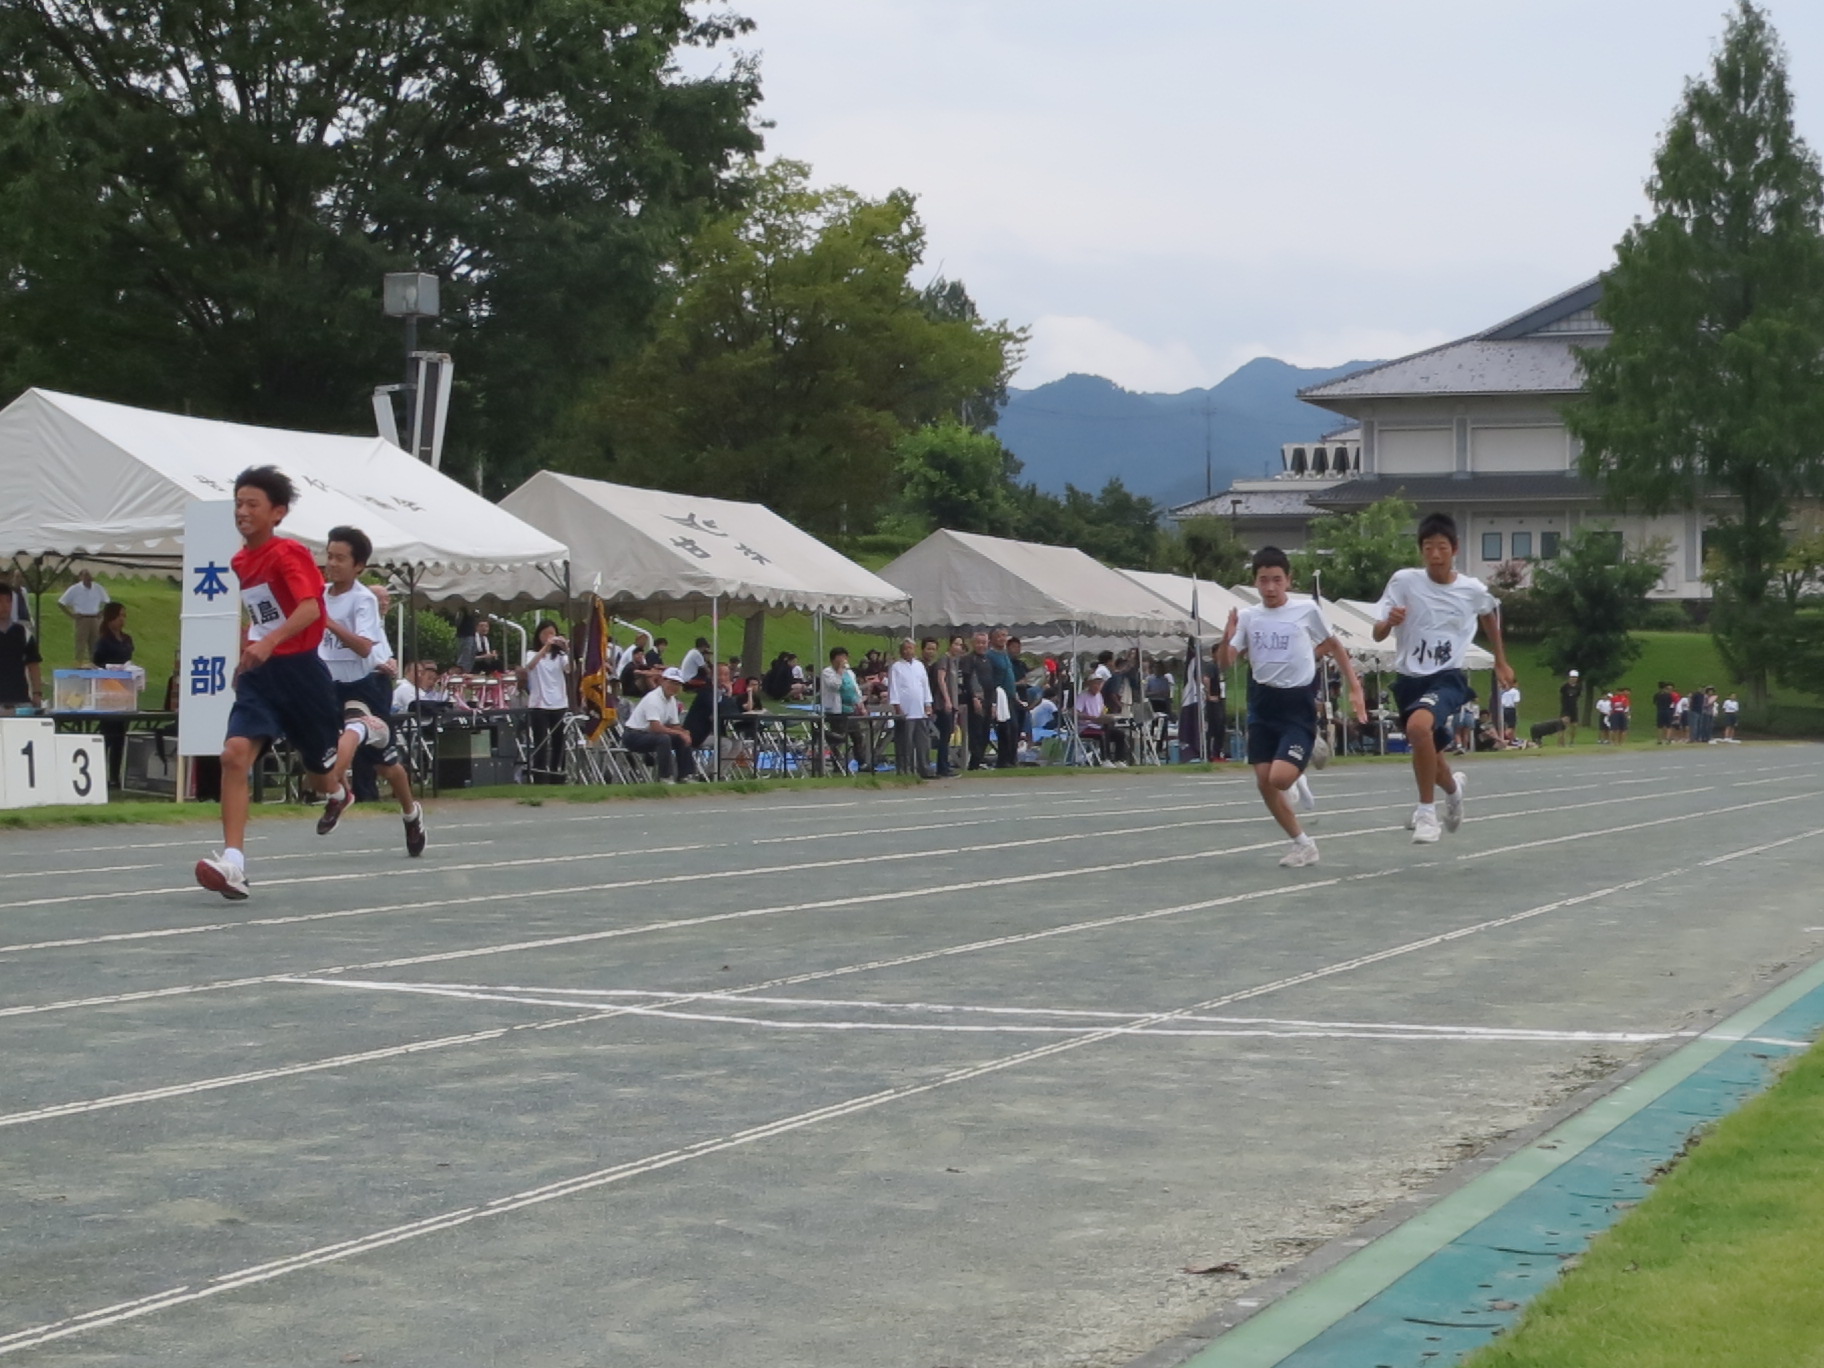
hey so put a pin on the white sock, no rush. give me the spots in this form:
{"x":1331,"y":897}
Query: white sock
{"x":233,"y":856}
{"x":1428,"y":809}
{"x":416,"y":813}
{"x":1303,"y":839}
{"x":340,"y":793}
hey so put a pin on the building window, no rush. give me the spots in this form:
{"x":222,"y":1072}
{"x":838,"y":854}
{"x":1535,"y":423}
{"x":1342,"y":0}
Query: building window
{"x":1523,"y":546}
{"x":1548,"y":546}
{"x":1491,"y":547}
{"x":1298,"y":460}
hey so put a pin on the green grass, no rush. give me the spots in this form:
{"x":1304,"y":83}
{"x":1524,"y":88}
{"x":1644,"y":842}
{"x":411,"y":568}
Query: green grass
{"x":1717,"y":1268}
{"x":153,"y":606}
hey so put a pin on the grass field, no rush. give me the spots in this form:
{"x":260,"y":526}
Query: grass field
{"x":1717,"y":1268}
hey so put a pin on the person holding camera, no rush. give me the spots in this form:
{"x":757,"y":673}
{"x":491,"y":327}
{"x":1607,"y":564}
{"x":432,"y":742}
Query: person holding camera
{"x":545,"y":678}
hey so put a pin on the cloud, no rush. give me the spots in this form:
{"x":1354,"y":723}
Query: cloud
{"x":1063,"y":343}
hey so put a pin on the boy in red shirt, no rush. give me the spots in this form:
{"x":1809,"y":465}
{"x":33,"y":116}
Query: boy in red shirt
{"x":281,"y":687}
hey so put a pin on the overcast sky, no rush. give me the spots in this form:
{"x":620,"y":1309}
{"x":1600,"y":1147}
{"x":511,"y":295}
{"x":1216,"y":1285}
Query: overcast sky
{"x":1162,"y":191}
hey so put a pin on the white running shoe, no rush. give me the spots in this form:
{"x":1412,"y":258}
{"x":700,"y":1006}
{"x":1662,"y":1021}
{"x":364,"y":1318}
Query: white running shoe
{"x":218,"y":876}
{"x":1307,"y":800}
{"x":1453,"y":804}
{"x":1412,"y":819}
{"x":1425,"y":828}
{"x":1299,"y":856}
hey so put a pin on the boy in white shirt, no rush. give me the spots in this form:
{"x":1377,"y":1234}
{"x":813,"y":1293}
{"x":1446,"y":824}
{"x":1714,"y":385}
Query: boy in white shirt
{"x":1434,"y":612}
{"x":1282,"y":639}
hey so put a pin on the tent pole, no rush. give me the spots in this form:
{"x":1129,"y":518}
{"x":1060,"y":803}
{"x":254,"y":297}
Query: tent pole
{"x":715,"y":698}
{"x":816,"y":678}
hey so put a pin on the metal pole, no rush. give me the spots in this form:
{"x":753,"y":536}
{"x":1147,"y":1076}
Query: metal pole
{"x":715,"y":697}
{"x":816,"y":682}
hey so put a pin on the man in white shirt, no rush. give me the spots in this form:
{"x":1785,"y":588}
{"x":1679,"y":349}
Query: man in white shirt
{"x":1282,"y":638}
{"x":909,"y":695}
{"x":1510,"y":713}
{"x":654,"y":728}
{"x":82,"y":603}
{"x":353,"y":645}
{"x":1435,"y":611}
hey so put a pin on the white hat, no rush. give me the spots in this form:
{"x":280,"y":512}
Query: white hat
{"x":1574,"y":674}
{"x":674,"y":674}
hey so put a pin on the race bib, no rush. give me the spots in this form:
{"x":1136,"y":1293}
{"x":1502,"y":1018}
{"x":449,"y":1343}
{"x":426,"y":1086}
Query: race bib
{"x":263,"y":611}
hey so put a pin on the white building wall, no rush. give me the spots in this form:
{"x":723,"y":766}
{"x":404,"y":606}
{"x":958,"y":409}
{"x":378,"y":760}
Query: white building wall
{"x":1415,"y":450}
{"x":1510,"y":448}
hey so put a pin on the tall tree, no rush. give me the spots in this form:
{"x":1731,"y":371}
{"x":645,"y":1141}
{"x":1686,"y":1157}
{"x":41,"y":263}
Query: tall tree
{"x":198,"y":199}
{"x":1356,"y":553}
{"x":1208,"y":549}
{"x":953,"y":477}
{"x":1713,"y":382}
{"x":1590,"y":599}
{"x":792,"y":358}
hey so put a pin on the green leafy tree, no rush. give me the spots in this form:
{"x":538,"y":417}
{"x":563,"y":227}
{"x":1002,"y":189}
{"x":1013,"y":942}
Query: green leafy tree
{"x":1590,"y":600}
{"x":1357,"y":553}
{"x":1116,"y":526}
{"x":792,"y":359}
{"x":198,"y":200}
{"x":1713,"y":382}
{"x":1208,"y":549}
{"x":954,"y":477}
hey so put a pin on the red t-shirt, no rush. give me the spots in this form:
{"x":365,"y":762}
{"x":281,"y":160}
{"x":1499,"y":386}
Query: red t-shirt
{"x":275,"y":579}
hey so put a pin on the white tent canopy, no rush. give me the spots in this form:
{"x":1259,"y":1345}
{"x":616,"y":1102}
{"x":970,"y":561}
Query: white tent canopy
{"x":1213,"y":604}
{"x":657,"y":555}
{"x":105,"y":482}
{"x":959,"y":579}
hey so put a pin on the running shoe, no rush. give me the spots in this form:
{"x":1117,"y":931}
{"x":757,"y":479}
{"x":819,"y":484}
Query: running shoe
{"x":1453,"y":804}
{"x":219,"y":876}
{"x":1412,"y":819}
{"x":1425,"y":828}
{"x":333,"y":808}
{"x":1299,"y":856}
{"x":414,"y":831}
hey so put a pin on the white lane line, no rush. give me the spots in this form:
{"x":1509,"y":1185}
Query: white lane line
{"x":620,"y":1173}
{"x":1632,"y":826}
{"x":1218,"y":1026}
{"x":746,"y":872}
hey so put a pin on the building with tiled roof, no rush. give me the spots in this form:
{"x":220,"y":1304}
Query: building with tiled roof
{"x":1474,"y":428}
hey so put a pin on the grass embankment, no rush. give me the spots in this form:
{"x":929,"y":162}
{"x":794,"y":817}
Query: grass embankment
{"x":1717,"y":1268}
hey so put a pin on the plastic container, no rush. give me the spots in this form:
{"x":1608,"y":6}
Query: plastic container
{"x":95,"y":691}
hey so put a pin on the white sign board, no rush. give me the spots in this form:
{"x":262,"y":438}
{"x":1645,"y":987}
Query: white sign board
{"x":210,"y":636}
{"x":28,"y":762}
{"x":80,"y":773}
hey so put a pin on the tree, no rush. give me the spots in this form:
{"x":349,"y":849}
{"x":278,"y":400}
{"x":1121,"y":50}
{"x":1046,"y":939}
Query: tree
{"x":950,"y":476}
{"x":1357,"y":553}
{"x":1116,"y":526}
{"x":1590,"y":599}
{"x":197,"y":201}
{"x":1207,"y":549}
{"x":792,"y":358}
{"x":1713,"y":381}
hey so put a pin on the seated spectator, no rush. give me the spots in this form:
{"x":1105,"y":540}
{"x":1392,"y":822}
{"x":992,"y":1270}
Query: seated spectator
{"x":780,"y":682}
{"x":653,"y":729}
{"x":424,"y":691}
{"x":1093,"y":722}
{"x":486,"y":658}
{"x":1045,"y":713}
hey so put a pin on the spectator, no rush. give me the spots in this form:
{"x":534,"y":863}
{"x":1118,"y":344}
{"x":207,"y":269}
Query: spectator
{"x":114,"y":651}
{"x":1510,"y":712}
{"x":1665,"y":703}
{"x":1732,"y":710}
{"x":1620,"y":708}
{"x":1045,"y":713}
{"x":638,"y":668}
{"x":909,"y":696}
{"x":1681,"y":717}
{"x":653,"y":729}
{"x":1006,"y":729}
{"x":485,"y":658}
{"x":1710,"y":710}
{"x":21,"y":680}
{"x":22,"y":611}
{"x":844,"y":717}
{"x":940,"y":673}
{"x":466,"y":623}
{"x":82,"y":603}
{"x":1466,"y":725}
{"x":423,"y":691}
{"x":977,"y":698}
{"x":695,"y":667}
{"x":1158,"y":690}
{"x":1093,"y":724}
{"x":544,"y":675}
{"x":1570,"y":700}
{"x":697,"y":720}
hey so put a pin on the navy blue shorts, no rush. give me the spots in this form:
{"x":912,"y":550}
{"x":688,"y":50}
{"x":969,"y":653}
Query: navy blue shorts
{"x":290,"y":696}
{"x":1282,"y":724}
{"x":1440,"y":694}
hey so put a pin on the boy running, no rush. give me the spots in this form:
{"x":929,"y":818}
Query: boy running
{"x":354,"y":644}
{"x":281,"y":688}
{"x":1434,"y":611}
{"x":1282,"y":639}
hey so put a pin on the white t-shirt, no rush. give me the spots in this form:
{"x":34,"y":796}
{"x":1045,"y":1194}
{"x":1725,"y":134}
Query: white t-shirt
{"x":652,"y":707}
{"x":1468,"y":714}
{"x":545,"y":686}
{"x":1440,"y":619}
{"x":909,"y":687}
{"x":1731,"y":707}
{"x":1278,"y":641}
{"x":693,"y":665}
{"x":84,"y":600}
{"x":1510,"y":698}
{"x":357,"y":611}
{"x":406,"y":693}
{"x":1604,"y":705}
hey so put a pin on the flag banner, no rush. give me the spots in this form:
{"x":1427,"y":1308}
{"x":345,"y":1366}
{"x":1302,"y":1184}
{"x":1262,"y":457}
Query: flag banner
{"x":592,"y":689}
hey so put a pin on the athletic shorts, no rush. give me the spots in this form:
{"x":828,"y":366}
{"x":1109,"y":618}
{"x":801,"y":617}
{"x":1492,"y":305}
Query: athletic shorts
{"x":373,"y":691}
{"x":290,"y":696}
{"x":1664,"y":719}
{"x":1282,"y":725}
{"x":1440,"y":694}
{"x":1618,"y":721}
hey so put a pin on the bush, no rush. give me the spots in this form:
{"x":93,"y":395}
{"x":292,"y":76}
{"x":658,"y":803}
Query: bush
{"x":435,"y":640}
{"x":1667,"y":617}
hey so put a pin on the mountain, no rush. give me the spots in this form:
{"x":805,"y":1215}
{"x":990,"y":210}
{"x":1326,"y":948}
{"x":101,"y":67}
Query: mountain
{"x":1083,"y":430}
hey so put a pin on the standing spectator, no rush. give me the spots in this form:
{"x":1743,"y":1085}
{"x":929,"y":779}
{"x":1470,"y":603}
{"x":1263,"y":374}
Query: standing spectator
{"x":1664,"y":701}
{"x":1732,"y":710}
{"x":977,"y":698}
{"x":1510,"y":712}
{"x":1681,"y":717}
{"x":1605,"y":718}
{"x":1570,"y":701}
{"x":653,"y":729}
{"x":1190,"y":714}
{"x":22,"y":610}
{"x":940,"y":671}
{"x":21,"y":681}
{"x":113,"y":651}
{"x":82,"y":603}
{"x":1466,"y":718}
{"x":844,"y":718}
{"x":485,"y":659}
{"x":1619,"y":707}
{"x":1710,"y":711}
{"x":466,"y":625}
{"x":1215,"y":707}
{"x":544,"y":676}
{"x":695,"y":667}
{"x":909,"y":695}
{"x":1006,"y":729}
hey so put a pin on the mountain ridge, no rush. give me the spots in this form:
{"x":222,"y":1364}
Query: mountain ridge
{"x":1085,"y":429}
